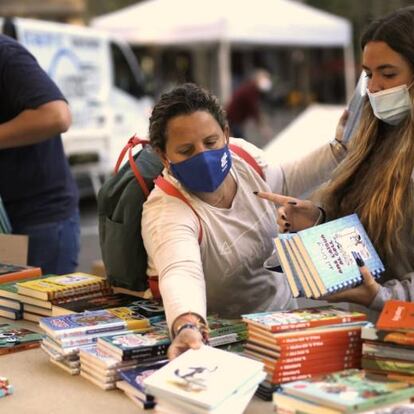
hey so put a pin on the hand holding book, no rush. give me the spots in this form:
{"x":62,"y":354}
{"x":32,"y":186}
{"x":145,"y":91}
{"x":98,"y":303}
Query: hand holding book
{"x":363,"y":294}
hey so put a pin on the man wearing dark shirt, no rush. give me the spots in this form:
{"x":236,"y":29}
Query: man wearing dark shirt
{"x":245,"y":104}
{"x":36,"y":185}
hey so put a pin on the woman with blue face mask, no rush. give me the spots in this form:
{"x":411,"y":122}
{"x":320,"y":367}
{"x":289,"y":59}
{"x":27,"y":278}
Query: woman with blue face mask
{"x":376,"y":178}
{"x":208,"y":249}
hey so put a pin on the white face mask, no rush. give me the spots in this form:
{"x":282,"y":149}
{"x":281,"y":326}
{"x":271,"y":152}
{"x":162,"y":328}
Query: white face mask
{"x":391,"y":105}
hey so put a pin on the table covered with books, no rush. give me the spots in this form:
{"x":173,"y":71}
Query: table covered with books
{"x":40,"y":388}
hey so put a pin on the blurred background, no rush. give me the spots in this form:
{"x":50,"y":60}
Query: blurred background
{"x":132,"y":51}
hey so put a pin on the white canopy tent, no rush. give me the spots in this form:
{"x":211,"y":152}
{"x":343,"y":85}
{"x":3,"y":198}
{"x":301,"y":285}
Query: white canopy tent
{"x":228,"y":23}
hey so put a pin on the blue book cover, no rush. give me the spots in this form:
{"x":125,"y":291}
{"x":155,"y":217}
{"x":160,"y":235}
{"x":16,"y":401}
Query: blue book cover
{"x":328,"y":252}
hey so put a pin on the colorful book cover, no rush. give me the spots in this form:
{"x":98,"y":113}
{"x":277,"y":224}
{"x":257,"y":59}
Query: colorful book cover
{"x":302,"y":318}
{"x":5,"y":387}
{"x":205,"y":377}
{"x":14,"y":338}
{"x":405,"y":338}
{"x":61,"y":286}
{"x":220,"y":326}
{"x":11,"y":272}
{"x":396,"y":314}
{"x":134,"y":345}
{"x":387,"y":364}
{"x":350,"y":391}
{"x":90,"y":323}
{"x":136,"y":376}
{"x":114,"y":300}
{"x":329,"y":252}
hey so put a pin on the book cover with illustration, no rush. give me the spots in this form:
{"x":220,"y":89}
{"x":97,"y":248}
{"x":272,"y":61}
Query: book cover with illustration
{"x":219,"y":326}
{"x":61,"y":286}
{"x":350,"y":391}
{"x":294,"y":319}
{"x":11,"y":272}
{"x":205,"y":377}
{"x":135,"y":345}
{"x":145,"y":307}
{"x":5,"y":387}
{"x":91,"y":322}
{"x":14,"y":338}
{"x":396,"y":314}
{"x":320,"y":260}
{"x":395,"y":336}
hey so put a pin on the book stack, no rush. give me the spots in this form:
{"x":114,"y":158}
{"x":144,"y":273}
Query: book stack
{"x":10,"y":273}
{"x":40,"y":295}
{"x":132,"y":383}
{"x":226,"y":333}
{"x":206,"y":380}
{"x":349,"y":391}
{"x":302,"y":343}
{"x":14,"y":338}
{"x":5,"y":387}
{"x":321,"y":260}
{"x":388,"y":347}
{"x":67,"y":334}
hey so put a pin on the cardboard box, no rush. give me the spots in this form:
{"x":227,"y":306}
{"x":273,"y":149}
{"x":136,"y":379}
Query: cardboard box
{"x":13,"y":249}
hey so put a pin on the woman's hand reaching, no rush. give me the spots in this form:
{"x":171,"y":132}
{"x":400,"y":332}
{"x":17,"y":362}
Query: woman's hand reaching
{"x":293,"y":214}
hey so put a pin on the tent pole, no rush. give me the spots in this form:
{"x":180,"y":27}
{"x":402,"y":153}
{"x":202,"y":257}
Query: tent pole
{"x":224,"y":71}
{"x":349,"y":61}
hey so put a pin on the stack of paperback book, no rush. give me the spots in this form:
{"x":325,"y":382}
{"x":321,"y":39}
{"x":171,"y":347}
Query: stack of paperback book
{"x":321,"y":260}
{"x":67,"y":334}
{"x":9,"y":273}
{"x":302,"y":343}
{"x":132,"y":383}
{"x":206,"y":380}
{"x":349,"y":391}
{"x":5,"y":387}
{"x":388,"y":347}
{"x":36,"y":297}
{"x":14,"y":338}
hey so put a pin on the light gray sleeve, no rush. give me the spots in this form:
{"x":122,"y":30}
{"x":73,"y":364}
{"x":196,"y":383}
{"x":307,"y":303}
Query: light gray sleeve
{"x":302,"y":176}
{"x":395,"y":289}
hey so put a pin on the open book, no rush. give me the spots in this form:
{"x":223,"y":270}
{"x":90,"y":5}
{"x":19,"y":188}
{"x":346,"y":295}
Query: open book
{"x":321,"y":260}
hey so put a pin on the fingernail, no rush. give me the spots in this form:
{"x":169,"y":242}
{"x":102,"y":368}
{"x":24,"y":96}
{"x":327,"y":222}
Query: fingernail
{"x":283,"y":217}
{"x":359,"y":261}
{"x":292,"y":203}
{"x":255,"y":192}
{"x":287,"y":224}
{"x":285,"y":230}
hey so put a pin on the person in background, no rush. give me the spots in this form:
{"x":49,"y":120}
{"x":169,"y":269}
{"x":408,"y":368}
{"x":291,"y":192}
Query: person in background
{"x":36,"y":185}
{"x":245,"y":105}
{"x":223,"y":272}
{"x":376,"y":178}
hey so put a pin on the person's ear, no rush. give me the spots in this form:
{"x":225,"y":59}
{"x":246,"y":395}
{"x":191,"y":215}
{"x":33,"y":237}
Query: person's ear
{"x":163,"y":158}
{"x":226,"y":131}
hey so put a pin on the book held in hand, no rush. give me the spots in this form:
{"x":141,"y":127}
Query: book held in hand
{"x":320,"y":260}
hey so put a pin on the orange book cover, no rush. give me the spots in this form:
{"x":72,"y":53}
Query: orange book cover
{"x":396,"y":314}
{"x":12,"y":273}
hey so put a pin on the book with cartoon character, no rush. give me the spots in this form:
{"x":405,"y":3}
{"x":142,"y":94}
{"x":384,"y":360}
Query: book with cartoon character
{"x":320,"y":260}
{"x":14,"y":338}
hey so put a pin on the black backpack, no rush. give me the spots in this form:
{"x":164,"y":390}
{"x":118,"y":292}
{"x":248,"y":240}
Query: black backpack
{"x":120,"y":202}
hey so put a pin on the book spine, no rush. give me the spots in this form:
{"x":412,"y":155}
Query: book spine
{"x":225,"y":330}
{"x":390,"y":365}
{"x":87,"y":295}
{"x":284,"y":261}
{"x":23,"y":274}
{"x":145,"y":352}
{"x":64,"y":293}
{"x":280,"y":376}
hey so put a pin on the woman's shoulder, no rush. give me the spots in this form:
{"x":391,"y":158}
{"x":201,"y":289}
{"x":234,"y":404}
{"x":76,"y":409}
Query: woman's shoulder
{"x":251,"y":149}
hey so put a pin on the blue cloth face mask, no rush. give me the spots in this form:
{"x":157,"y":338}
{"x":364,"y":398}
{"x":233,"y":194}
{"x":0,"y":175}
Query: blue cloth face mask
{"x":205,"y":171}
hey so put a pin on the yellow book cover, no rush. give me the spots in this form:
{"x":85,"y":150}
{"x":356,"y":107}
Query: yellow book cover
{"x":59,"y":286}
{"x":133,"y":320}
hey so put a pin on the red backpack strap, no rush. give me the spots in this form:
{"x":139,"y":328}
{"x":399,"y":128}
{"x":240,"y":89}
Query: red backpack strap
{"x":248,"y":158}
{"x":172,"y":190}
{"x":132,"y":142}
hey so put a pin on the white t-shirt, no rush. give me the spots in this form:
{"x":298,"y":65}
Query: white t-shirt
{"x":225,"y":274}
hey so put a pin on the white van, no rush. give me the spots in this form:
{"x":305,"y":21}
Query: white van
{"x":101,"y":79}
